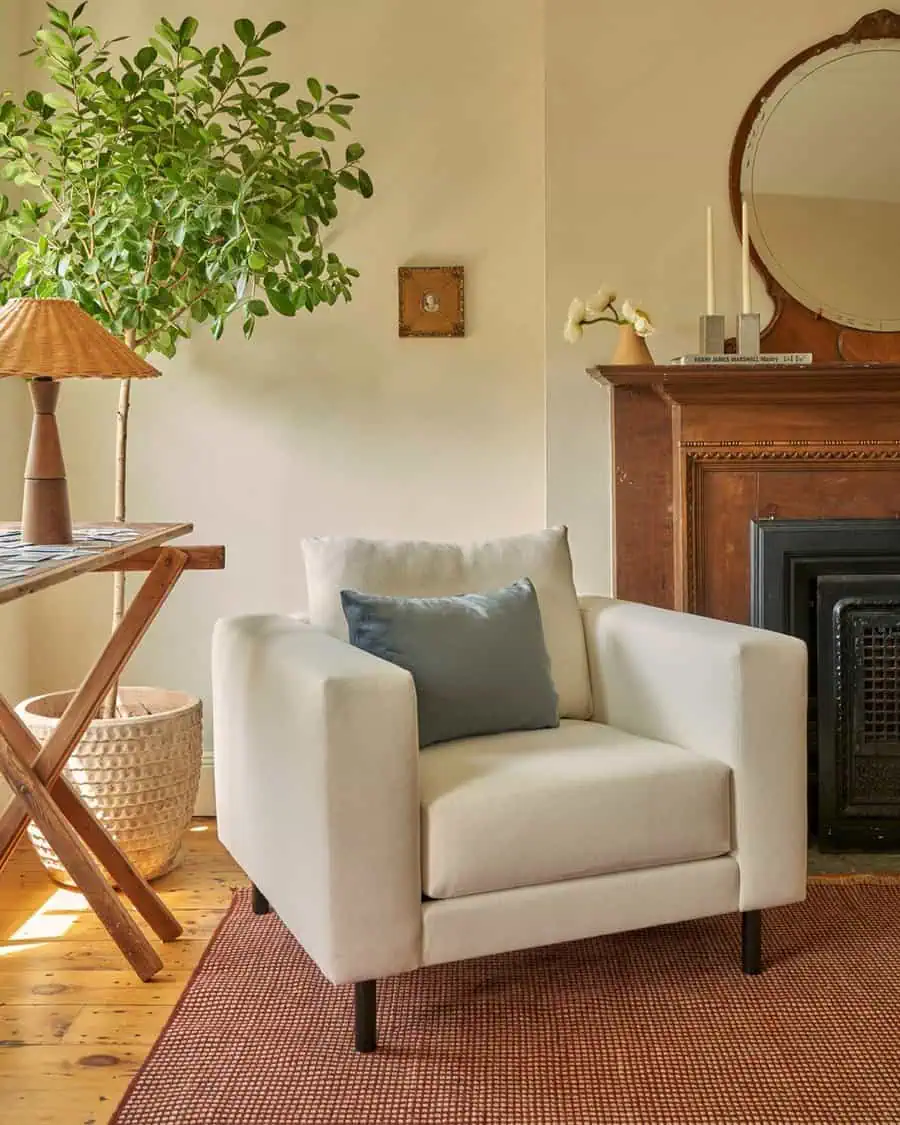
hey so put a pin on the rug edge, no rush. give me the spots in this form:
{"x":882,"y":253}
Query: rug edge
{"x":872,"y":878}
{"x":176,"y":1011}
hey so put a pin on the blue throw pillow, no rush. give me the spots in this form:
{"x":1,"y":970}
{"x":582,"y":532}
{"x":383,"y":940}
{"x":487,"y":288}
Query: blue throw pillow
{"x":478,"y":661}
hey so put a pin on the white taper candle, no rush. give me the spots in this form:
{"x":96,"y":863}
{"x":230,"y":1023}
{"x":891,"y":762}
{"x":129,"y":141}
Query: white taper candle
{"x":710,"y":266}
{"x":745,"y":260}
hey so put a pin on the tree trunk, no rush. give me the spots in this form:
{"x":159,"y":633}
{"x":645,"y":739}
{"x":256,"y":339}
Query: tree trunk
{"x":109,"y":706}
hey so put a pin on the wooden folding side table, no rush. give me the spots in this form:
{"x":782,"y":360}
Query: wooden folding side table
{"x":34,"y":772}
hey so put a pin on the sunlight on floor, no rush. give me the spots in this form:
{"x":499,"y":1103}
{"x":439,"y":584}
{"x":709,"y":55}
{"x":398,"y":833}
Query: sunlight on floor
{"x":50,"y":921}
{"x":200,"y":828}
{"x":21,"y":947}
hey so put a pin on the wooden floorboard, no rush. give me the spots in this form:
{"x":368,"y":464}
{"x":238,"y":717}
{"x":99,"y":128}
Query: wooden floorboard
{"x":75,"y":1022}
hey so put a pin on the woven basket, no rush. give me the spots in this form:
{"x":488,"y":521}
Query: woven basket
{"x":138,"y":773}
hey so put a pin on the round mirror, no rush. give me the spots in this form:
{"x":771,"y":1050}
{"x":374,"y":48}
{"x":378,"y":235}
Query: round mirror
{"x":820,"y":171}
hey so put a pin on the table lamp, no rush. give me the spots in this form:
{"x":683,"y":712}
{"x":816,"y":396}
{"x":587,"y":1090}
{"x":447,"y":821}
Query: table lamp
{"x":44,"y":341}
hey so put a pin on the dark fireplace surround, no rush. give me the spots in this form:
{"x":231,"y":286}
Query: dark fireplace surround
{"x":835,"y":583}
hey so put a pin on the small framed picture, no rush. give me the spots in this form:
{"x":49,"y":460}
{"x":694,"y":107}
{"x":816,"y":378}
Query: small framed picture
{"x":431,"y":301}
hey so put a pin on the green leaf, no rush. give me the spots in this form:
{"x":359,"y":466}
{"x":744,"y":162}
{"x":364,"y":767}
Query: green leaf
{"x":348,"y":180}
{"x":278,"y":89}
{"x":245,"y":31}
{"x":187,"y":31}
{"x":315,"y":88}
{"x":281,"y":301}
{"x":366,"y":188}
{"x":229,"y":184}
{"x":34,"y":99}
{"x":354,"y":152}
{"x":145,"y":58}
{"x":258,"y":308}
{"x":272,"y":28}
{"x":257,"y":261}
{"x":275,"y":234}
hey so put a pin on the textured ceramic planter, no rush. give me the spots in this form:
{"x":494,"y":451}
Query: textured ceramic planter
{"x":138,"y":772}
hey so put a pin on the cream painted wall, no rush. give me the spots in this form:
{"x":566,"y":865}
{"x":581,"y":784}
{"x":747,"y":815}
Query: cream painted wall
{"x":331,"y":424}
{"x":642,"y":106}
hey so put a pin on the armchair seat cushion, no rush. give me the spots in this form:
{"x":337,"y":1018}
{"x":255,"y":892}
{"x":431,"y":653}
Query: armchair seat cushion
{"x":532,"y":807}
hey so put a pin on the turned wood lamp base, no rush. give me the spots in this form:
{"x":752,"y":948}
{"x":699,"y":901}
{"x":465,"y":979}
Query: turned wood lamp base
{"x":46,"y":518}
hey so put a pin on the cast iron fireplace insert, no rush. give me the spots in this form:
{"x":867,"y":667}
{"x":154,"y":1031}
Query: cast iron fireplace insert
{"x":835,"y":583}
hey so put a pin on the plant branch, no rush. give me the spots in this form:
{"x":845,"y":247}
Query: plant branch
{"x":151,"y":257}
{"x":144,"y":340}
{"x":122,"y":412}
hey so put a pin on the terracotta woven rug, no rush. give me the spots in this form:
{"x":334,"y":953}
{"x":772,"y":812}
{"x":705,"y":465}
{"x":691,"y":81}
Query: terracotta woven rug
{"x":657,"y":1027}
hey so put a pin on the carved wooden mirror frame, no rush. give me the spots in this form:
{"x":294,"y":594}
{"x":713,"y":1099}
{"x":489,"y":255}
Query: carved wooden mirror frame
{"x":794,"y":327}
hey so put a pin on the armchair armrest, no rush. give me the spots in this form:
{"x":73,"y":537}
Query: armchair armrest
{"x":726,"y":691}
{"x":316,"y":768}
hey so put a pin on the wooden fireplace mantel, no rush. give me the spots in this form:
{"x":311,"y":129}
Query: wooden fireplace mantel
{"x":698,"y":452}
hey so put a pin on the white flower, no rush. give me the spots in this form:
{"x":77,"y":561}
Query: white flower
{"x":574,"y":321}
{"x":637,"y":318}
{"x":600,"y":301}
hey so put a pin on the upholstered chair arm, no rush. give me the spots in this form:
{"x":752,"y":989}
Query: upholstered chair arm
{"x":316,"y":767}
{"x":726,"y":691}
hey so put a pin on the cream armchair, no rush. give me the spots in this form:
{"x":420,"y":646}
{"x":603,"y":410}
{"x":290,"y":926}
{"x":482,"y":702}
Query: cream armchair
{"x":683,"y":797}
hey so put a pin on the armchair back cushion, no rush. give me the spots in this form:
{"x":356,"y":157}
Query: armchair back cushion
{"x":423,"y":569}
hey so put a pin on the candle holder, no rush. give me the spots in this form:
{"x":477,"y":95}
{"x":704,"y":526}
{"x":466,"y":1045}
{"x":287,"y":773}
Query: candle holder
{"x":712,"y":334}
{"x":748,"y":334}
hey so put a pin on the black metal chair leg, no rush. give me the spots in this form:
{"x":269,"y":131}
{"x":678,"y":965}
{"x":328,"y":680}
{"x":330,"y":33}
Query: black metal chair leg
{"x":364,"y":998}
{"x":751,"y":942}
{"x":260,"y":902}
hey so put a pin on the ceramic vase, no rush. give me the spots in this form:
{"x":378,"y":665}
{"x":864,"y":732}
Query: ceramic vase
{"x":631,"y":349}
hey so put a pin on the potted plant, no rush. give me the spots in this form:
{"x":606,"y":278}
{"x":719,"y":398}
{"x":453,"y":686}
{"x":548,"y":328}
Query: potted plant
{"x":172,"y":187}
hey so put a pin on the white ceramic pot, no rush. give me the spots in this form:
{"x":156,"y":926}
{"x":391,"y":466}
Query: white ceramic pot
{"x":138,"y":772}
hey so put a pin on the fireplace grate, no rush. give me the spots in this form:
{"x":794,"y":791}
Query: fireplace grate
{"x":878,"y":666}
{"x":859,"y":710}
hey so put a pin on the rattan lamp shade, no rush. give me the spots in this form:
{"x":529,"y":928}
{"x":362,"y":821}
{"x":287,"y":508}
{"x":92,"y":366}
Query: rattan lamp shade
{"x":58,"y":340}
{"x":44,"y":341}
